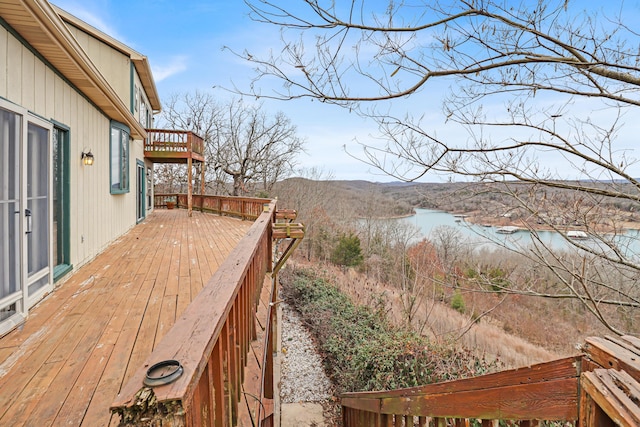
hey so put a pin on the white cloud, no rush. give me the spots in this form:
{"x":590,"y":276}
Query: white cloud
{"x":93,"y":17}
{"x":173,"y":66}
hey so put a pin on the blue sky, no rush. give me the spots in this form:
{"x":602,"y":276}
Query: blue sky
{"x":183,"y":41}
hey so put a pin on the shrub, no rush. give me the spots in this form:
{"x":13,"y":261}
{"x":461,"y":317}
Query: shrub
{"x":348,"y":252}
{"x":362,"y":350}
{"x":457,"y":302}
{"x":471,"y":273}
{"x":498,"y":279}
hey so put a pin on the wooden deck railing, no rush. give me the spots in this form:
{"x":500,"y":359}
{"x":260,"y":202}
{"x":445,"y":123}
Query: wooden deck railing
{"x":210,"y":341}
{"x":599,"y":388}
{"x":241,"y":207}
{"x":173,"y":141}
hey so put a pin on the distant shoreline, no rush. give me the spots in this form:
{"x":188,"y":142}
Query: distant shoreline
{"x":407,"y":215}
{"x":477,"y":218}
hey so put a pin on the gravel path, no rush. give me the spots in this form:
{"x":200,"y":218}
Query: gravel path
{"x":302,"y":376}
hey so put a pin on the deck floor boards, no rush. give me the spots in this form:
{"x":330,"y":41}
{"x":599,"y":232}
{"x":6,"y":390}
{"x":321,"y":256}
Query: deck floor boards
{"x":68,"y":361}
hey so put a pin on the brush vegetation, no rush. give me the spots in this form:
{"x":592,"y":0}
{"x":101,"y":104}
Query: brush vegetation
{"x":362,"y":349}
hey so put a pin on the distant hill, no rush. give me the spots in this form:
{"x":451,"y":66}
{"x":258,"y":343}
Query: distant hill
{"x":399,"y":198}
{"x":361,"y":198}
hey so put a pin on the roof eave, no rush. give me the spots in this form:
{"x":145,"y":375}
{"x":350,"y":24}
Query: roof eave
{"x":41,"y":26}
{"x":141,"y":62}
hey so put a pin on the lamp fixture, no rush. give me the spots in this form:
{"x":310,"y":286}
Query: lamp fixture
{"x":87,"y":158}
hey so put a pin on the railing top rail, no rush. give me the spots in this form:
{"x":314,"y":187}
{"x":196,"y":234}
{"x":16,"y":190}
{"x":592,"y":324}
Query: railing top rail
{"x":568,"y":367}
{"x":230,"y":198}
{"x":241,"y":198}
{"x":192,"y":337}
{"x":547,"y":391}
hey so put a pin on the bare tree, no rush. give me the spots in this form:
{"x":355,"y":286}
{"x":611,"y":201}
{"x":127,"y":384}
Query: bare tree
{"x":169,"y":178}
{"x":242,"y":141}
{"x":251,"y":147}
{"x":200,"y":113}
{"x":451,"y":248}
{"x":541,"y":88}
{"x":311,"y":195}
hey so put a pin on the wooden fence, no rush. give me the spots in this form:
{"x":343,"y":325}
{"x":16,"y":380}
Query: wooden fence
{"x":210,"y":340}
{"x":241,"y":207}
{"x":597,"y":389}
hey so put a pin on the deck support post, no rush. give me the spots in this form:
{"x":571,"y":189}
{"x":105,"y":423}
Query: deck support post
{"x":189,"y":186}
{"x":202,"y":185}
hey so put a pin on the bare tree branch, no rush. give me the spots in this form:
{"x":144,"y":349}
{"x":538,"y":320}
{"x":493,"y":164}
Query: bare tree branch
{"x":241,"y":140}
{"x":528,"y":83}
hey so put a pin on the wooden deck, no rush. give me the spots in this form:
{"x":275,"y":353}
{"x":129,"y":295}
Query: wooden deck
{"x":67,"y":363}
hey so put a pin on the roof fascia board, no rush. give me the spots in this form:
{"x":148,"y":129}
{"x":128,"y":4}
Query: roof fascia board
{"x":44,"y":14}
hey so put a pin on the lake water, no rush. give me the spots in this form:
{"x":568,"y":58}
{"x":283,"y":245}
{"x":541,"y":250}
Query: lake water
{"x":426,"y":220}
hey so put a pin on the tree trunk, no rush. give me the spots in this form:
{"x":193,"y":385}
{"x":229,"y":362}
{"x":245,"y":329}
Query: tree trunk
{"x":237,"y":185}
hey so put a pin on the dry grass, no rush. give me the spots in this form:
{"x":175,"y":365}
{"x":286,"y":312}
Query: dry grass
{"x":438,"y":321}
{"x":557,"y":325}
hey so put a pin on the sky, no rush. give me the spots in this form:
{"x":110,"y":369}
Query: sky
{"x":184,"y":42}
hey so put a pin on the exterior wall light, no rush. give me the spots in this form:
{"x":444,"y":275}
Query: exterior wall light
{"x":87,"y":158}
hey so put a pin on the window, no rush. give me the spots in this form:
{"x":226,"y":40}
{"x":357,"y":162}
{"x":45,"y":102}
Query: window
{"x":143,"y":114}
{"x":119,"y":158}
{"x":61,"y":219}
{"x":136,"y":93}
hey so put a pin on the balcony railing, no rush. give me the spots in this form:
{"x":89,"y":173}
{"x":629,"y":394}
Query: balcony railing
{"x":598,"y":388}
{"x":210,"y":341}
{"x":170,"y":146}
{"x":241,"y":207}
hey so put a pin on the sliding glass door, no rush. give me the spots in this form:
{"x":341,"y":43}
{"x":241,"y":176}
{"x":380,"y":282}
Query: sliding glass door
{"x":25,"y":213}
{"x":36,"y":229}
{"x":10,"y":209}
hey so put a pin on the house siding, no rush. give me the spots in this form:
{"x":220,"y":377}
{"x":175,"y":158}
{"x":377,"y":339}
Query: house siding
{"x":113,"y":64}
{"x":97,"y":217}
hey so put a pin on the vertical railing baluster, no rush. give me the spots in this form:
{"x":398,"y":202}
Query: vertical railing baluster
{"x":233,"y":363}
{"x":226,"y":364}
{"x":216,"y":366}
{"x":242,"y":320}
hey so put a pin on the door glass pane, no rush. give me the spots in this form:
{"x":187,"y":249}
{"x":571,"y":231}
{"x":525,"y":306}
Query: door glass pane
{"x":38,"y":239}
{"x":57,"y":194}
{"x":37,"y":227}
{"x":60,"y":196}
{"x":38,"y":284}
{"x":8,"y":311}
{"x":37,"y":162}
{"x":148,"y":188}
{"x":10,"y":124}
{"x":140,"y":188}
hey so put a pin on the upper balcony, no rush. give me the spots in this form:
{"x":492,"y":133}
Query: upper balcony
{"x":173,"y":146}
